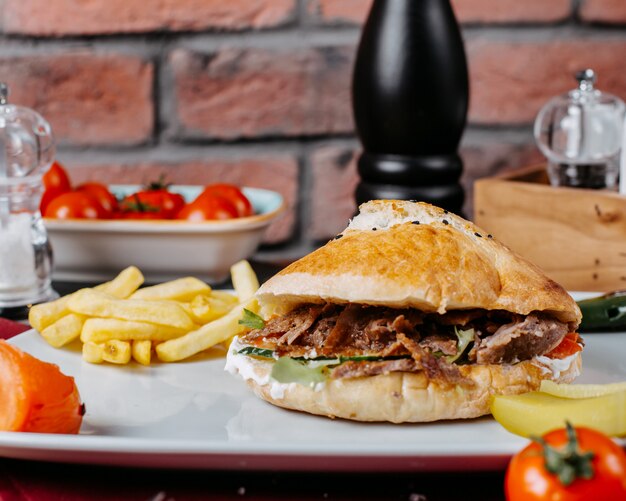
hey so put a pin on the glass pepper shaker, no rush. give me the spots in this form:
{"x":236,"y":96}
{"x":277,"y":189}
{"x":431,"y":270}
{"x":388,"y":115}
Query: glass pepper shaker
{"x":26,"y":153}
{"x":580,"y":133}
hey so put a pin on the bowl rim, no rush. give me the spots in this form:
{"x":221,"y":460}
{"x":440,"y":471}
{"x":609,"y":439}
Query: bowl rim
{"x":169,"y":225}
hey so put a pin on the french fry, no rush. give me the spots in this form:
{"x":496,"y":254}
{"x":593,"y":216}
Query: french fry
{"x":99,"y":330}
{"x":117,"y":321}
{"x":116,"y":352}
{"x":142,"y":351}
{"x":64,"y":330}
{"x":182,"y":289}
{"x":92,"y":353}
{"x":99,"y":304}
{"x":43,"y":315}
{"x":204,"y":309}
{"x":225,"y":296}
{"x":244,"y":280}
{"x":206,"y":336}
{"x":187,"y":308}
{"x":123,"y":285}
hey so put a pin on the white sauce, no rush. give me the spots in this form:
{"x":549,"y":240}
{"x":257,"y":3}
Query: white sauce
{"x":244,"y":366}
{"x":555,"y":365}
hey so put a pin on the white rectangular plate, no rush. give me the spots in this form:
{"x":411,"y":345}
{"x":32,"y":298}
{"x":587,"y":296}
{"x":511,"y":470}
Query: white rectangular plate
{"x":195,"y":415}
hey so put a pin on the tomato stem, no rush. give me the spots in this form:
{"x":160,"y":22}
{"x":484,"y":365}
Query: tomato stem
{"x":160,"y":184}
{"x":569,"y":462}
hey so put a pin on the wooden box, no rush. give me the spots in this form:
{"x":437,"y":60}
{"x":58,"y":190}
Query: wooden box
{"x":577,"y":236}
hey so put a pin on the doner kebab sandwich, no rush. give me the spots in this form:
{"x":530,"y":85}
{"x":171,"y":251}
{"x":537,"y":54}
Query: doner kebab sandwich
{"x":412,"y":314}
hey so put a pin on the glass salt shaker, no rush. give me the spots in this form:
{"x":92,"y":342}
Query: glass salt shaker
{"x":580,"y":133}
{"x":26,"y":152}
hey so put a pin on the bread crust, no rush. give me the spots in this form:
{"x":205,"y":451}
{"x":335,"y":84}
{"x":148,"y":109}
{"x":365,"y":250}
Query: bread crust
{"x":401,"y":397}
{"x":443,"y":263}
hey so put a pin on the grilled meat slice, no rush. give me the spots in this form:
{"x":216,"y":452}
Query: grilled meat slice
{"x":336,"y":330}
{"x":368,"y":330}
{"x":521,"y":340}
{"x":435,"y":368}
{"x":440,"y":343}
{"x":300,"y":324}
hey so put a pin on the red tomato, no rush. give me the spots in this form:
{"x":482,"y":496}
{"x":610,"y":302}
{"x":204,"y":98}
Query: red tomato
{"x":48,"y":196}
{"x":102,"y":194}
{"x":599,"y":465}
{"x":75,"y":204}
{"x":56,"y":177}
{"x":567,"y":347}
{"x":232,"y":193}
{"x":136,"y":207}
{"x":140,"y":215}
{"x":164,"y":201}
{"x":207,"y":208}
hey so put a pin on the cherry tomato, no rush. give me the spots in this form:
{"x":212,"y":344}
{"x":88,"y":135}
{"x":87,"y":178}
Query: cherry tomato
{"x":157,"y":194}
{"x":232,"y":193}
{"x":164,"y":201}
{"x":56,"y":177}
{"x":207,"y":208}
{"x":596,"y":465}
{"x":140,"y":215}
{"x":136,"y":207}
{"x":102,"y":194}
{"x":75,"y":204}
{"x":48,"y":196}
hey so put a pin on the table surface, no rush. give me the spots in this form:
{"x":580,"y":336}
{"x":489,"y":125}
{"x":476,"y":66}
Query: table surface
{"x":32,"y":480}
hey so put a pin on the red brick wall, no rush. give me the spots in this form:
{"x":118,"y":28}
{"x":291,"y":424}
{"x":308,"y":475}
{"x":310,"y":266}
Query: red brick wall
{"x":257,"y":91}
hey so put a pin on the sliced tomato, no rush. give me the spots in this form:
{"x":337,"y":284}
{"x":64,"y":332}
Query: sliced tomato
{"x":208,"y":208}
{"x":102,"y":194}
{"x":56,"y":177}
{"x":569,"y":346}
{"x":232,"y":193}
{"x":75,"y":205}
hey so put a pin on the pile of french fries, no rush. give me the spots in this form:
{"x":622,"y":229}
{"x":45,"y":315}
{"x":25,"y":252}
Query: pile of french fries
{"x":118,"y":321}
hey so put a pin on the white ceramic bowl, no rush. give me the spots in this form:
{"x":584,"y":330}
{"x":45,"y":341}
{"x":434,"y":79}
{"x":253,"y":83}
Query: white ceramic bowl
{"x":162,"y":250}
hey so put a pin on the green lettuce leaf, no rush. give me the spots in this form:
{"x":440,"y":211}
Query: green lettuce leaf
{"x":290,"y":370}
{"x":256,"y":352}
{"x":465,"y":338}
{"x":307,"y":371}
{"x":251,"y":320}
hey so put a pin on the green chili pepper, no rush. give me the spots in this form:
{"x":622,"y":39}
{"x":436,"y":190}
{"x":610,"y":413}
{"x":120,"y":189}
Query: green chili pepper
{"x":604,"y":312}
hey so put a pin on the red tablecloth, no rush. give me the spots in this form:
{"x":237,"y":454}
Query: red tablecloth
{"x":8,"y":328}
{"x":35,"y":481}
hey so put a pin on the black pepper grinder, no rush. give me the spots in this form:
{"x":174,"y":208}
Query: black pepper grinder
{"x":410,"y":97}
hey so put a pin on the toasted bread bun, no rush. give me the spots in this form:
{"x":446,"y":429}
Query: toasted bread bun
{"x":443,"y":263}
{"x":401,"y":397}
{"x":412,"y":255}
